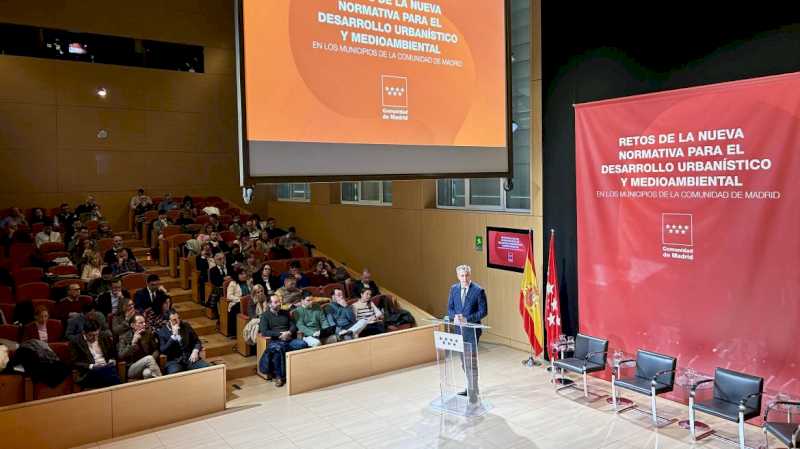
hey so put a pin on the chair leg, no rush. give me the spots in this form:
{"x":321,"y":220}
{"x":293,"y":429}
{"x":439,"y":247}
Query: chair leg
{"x":691,"y":419}
{"x":614,"y":392}
{"x":585,"y":386}
{"x":766,"y":438}
{"x":653,"y":406}
{"x":741,"y":431}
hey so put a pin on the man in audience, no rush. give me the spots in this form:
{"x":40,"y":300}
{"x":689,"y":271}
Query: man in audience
{"x":66,"y":220}
{"x":365,"y":283}
{"x":120,"y":321}
{"x":102,"y":284}
{"x":290,"y":239}
{"x":160,"y":224}
{"x":154,"y":293}
{"x":140,"y":202}
{"x":14,"y":219}
{"x":93,"y":355}
{"x":139,"y":347}
{"x":124,"y":265}
{"x":73,"y":293}
{"x":111,"y":301}
{"x":217,"y":244}
{"x":276,"y":324}
{"x":289,"y":293}
{"x":235,"y":226}
{"x":272,"y":229}
{"x":167,"y":204}
{"x":89,"y":210}
{"x":213,"y":221}
{"x":180,"y":344}
{"x":47,"y":235}
{"x":117,"y":246}
{"x":252,"y":229}
{"x":294,"y":271}
{"x":220,"y":270}
{"x":77,"y":321}
{"x":310,"y":320}
{"x":184,"y":219}
{"x":342,"y":316}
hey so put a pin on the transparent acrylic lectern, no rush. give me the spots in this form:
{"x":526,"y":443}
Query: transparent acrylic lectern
{"x":457,"y":359}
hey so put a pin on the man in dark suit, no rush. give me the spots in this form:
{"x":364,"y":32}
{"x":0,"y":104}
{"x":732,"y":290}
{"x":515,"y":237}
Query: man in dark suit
{"x":181,"y":345}
{"x":365,"y":283}
{"x":152,"y":296}
{"x":112,"y":300}
{"x":467,"y":304}
{"x":93,"y":355}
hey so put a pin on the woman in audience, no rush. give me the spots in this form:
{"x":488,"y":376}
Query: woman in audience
{"x":93,"y":269}
{"x":258,"y":305}
{"x":266,"y":279}
{"x":38,"y":216}
{"x":240,"y":286}
{"x":156,"y":317}
{"x":263,"y":243}
{"x":188,"y":205}
{"x":37,"y":330}
{"x":322,"y":274}
{"x":251,"y":263}
{"x":364,"y":309}
{"x":120,"y":321}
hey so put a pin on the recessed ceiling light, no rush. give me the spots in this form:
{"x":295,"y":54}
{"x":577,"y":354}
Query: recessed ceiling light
{"x":102,"y":92}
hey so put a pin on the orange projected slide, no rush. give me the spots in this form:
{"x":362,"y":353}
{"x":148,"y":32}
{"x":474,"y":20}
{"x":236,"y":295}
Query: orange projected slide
{"x":403,"y":72}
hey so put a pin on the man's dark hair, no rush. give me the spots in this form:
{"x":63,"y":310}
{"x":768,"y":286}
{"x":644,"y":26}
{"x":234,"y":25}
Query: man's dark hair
{"x":140,"y":191}
{"x":106,"y":270}
{"x":291,"y":229}
{"x":294,"y":264}
{"x":171,"y":312}
{"x":91,"y":325}
{"x":152,"y":278}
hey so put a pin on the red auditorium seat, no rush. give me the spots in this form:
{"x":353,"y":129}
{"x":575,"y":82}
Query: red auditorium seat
{"x":228,"y":236}
{"x":50,"y":247}
{"x":6,"y":297}
{"x":134,"y":281}
{"x":33,"y":290}
{"x":55,"y":255}
{"x":63,"y":270}
{"x":299,"y":252}
{"x":10,"y":332}
{"x":49,"y":304}
{"x":20,"y":254}
{"x":327,"y":290}
{"x":104,"y":245}
{"x":27,"y":275}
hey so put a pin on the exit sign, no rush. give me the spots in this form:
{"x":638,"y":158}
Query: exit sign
{"x":478,"y":243}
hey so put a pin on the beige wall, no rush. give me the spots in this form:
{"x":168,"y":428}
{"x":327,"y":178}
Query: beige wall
{"x":168,"y":131}
{"x":413,"y":248}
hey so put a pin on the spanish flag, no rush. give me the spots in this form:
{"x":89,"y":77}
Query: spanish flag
{"x":530,"y":306}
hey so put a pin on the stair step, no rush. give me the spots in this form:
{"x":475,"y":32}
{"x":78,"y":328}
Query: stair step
{"x":160,"y":271}
{"x":188,"y":309}
{"x":140,"y":252}
{"x":236,"y":365}
{"x":126,"y":235}
{"x":133,"y":243}
{"x":217,"y":345}
{"x":146,"y":262}
{"x":180,"y":295}
{"x":203,"y":326}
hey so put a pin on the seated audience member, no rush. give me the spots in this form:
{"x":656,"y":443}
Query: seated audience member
{"x":290,"y":295}
{"x":94,"y":356}
{"x":235,"y":256}
{"x":251,"y":264}
{"x":340,"y":274}
{"x":240,"y":286}
{"x":290,"y":239}
{"x":220,"y":270}
{"x":364,"y":309}
{"x":235,"y":226}
{"x":266,"y":279}
{"x":167,"y":204}
{"x":140,"y":202}
{"x":73,"y":294}
{"x":139,"y":348}
{"x":367,"y":283}
{"x":117,"y":246}
{"x":153,"y":294}
{"x":277,"y":252}
{"x":37,"y":216}
{"x":263,"y":243}
{"x":187,"y":205}
{"x":213,"y":221}
{"x":89,"y":210}
{"x":217,"y":244}
{"x":257,"y":306}
{"x":294,"y":271}
{"x":102,"y":284}
{"x":120,"y":321}
{"x":38,"y":329}
{"x":93,"y":268}
{"x":310,"y":320}
{"x":157,"y":316}
{"x":14,"y":219}
{"x":184,"y":219}
{"x":160,"y":224}
{"x":47,"y":235}
{"x":179,"y":342}
{"x":77,"y":321}
{"x":66,"y":220}
{"x":104,"y":231}
{"x":112,"y":300}
{"x":321,"y":275}
{"x":124,"y":265}
{"x":277,"y":325}
{"x":252,"y":229}
{"x":273,"y":230}
{"x":343,"y":317}
{"x":203,"y":263}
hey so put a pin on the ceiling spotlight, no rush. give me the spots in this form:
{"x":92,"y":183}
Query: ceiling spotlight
{"x":102,"y":92}
{"x":102,"y":134}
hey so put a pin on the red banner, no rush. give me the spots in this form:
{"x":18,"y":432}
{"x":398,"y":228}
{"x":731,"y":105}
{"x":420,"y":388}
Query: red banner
{"x":689,"y":225}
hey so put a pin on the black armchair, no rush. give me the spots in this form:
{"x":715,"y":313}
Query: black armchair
{"x":787,"y":432}
{"x":589,"y":356}
{"x":737,"y":398}
{"x":655,"y":374}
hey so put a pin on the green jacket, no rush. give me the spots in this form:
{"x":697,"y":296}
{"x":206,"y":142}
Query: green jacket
{"x":309,"y":321}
